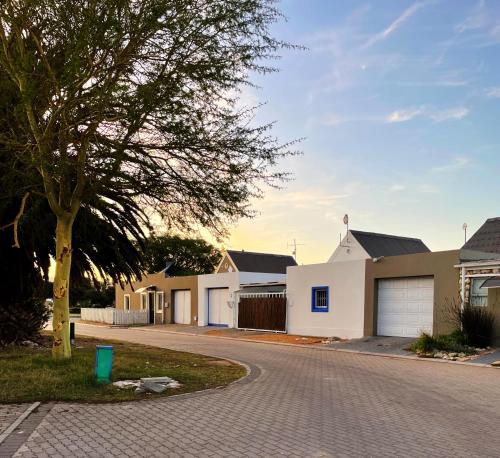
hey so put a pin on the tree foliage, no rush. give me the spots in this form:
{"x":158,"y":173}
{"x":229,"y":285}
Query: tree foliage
{"x":132,"y":104}
{"x":190,"y":256}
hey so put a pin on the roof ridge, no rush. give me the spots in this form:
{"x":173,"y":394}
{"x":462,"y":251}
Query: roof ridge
{"x":260,"y":253}
{"x":378,"y":234}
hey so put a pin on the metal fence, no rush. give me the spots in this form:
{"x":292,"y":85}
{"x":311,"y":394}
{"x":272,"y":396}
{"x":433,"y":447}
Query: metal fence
{"x":114,"y":316}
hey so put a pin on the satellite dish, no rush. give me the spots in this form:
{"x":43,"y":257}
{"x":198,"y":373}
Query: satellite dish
{"x":346,"y":219}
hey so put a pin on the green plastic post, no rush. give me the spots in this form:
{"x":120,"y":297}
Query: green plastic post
{"x":103,"y":363}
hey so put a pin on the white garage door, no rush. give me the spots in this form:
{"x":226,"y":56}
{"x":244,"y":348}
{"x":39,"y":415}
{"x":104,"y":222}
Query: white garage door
{"x":182,"y":307}
{"x":219,"y":312}
{"x":405,"y":306}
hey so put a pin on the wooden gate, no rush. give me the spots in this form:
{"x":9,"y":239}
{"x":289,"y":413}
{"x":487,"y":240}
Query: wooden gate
{"x":262,"y":311}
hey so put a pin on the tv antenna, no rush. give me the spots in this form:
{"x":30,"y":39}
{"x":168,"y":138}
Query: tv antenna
{"x":294,"y":245}
{"x":464,"y":227}
{"x":346,"y":222}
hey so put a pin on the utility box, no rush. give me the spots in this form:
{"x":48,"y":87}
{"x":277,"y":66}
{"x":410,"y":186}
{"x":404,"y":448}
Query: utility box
{"x":103,"y":363}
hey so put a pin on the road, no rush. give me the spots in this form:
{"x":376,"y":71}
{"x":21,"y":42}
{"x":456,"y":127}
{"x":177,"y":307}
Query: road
{"x":298,"y":402}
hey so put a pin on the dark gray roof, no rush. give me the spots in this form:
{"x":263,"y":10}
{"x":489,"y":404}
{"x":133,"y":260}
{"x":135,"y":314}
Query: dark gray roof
{"x":246,"y":261}
{"x":388,"y":245}
{"x":486,"y":239}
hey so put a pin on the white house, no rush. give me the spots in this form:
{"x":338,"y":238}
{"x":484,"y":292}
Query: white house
{"x":329,"y":299}
{"x":217,"y":292}
{"x":326,"y":299}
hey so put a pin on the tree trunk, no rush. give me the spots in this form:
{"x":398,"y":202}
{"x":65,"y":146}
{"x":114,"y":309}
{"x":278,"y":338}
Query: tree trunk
{"x":61,"y":347}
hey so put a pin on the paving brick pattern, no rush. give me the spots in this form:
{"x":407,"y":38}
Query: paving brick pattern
{"x":305,"y":403}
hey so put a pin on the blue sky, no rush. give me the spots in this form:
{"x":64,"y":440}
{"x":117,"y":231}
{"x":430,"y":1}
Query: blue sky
{"x":399,"y":104}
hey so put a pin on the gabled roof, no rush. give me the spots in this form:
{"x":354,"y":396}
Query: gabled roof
{"x":486,"y":239}
{"x":246,"y":261}
{"x":388,"y":245}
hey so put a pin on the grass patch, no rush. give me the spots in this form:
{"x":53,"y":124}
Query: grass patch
{"x":451,"y":343}
{"x":30,"y":374}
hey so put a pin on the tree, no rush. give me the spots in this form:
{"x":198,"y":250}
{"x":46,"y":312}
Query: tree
{"x":189,"y":256}
{"x":131,"y":98}
{"x":106,"y":244}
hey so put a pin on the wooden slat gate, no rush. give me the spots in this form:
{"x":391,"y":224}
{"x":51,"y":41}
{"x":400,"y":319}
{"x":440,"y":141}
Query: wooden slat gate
{"x":262,"y":311}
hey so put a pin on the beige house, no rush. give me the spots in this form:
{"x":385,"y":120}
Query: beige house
{"x":408,"y":294}
{"x":168,"y":299}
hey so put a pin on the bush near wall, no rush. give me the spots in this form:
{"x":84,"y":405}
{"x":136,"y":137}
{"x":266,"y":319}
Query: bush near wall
{"x":478,"y":325}
{"x":455,"y":342}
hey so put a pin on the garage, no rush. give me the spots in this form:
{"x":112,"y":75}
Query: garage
{"x":182,"y":307}
{"x":405,"y":306}
{"x":219,"y":312}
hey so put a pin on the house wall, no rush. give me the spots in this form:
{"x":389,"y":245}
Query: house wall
{"x":349,"y":250}
{"x":231,"y":280}
{"x":345,"y":316}
{"x":166,"y":284}
{"x":440,"y":265}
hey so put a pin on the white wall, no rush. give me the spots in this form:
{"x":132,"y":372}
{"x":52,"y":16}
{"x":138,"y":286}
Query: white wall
{"x":232,"y":281}
{"x":345,"y":316}
{"x":349,"y":250}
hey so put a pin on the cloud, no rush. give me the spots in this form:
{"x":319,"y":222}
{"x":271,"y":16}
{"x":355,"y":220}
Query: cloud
{"x":397,"y":187}
{"x":457,"y":163}
{"x":306,"y":198}
{"x":398,"y":116}
{"x":395,"y":25}
{"x":493,"y":92}
{"x":451,"y":113}
{"x":476,"y":20}
{"x":403,"y":115}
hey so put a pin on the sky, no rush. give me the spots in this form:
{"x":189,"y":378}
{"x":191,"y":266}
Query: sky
{"x":398,"y":103}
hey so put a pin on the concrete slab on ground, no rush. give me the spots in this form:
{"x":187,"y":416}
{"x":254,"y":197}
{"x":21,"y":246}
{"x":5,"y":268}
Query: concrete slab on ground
{"x":377,"y":344}
{"x":487,"y":359}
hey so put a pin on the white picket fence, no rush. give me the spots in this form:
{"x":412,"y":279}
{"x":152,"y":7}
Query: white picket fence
{"x":113,"y":316}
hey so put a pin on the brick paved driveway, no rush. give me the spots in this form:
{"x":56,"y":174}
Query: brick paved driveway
{"x":306,"y":402}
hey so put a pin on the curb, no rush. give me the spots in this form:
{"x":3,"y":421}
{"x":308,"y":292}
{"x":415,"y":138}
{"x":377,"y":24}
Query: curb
{"x":18,"y":421}
{"x":313,"y":347}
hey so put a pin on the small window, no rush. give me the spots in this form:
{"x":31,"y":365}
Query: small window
{"x":144,"y":301}
{"x":478,"y":295}
{"x":320,"y":299}
{"x":126,"y":302}
{"x":160,"y":301}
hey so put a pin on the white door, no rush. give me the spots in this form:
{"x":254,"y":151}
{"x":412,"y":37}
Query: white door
{"x":405,"y":306}
{"x":182,"y":307}
{"x":219,"y":312}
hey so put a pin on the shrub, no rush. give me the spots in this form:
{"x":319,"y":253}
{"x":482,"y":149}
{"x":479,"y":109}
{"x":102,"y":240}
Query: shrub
{"x":478,"y":325}
{"x":424,"y":344}
{"x":454,"y":342}
{"x":22,"y":322}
